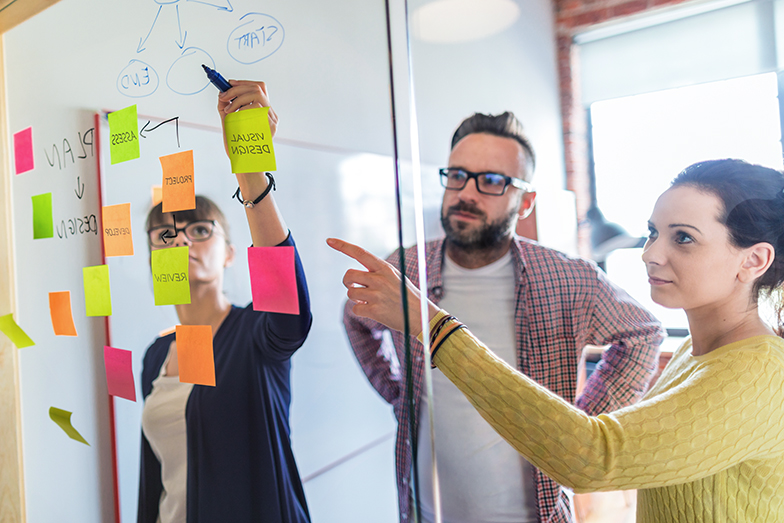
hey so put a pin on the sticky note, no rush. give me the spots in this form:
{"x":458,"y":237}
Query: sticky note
{"x":156,"y":194}
{"x":23,"y":151}
{"x":194,"y":354}
{"x":97,"y":292}
{"x":249,"y":141}
{"x":178,"y":191}
{"x":60,"y":311}
{"x":116,"y":220}
{"x":119,"y":373}
{"x":43,"y":225}
{"x":124,"y":135}
{"x":170,"y":276}
{"x":15,"y":333}
{"x":273,"y":284}
{"x":63,"y":419}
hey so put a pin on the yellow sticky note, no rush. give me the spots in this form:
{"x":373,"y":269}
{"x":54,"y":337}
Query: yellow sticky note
{"x":63,"y":419}
{"x":194,"y":354}
{"x":15,"y":333}
{"x":116,"y":220}
{"x":60,"y":311}
{"x":249,"y":141}
{"x":124,"y":135}
{"x":178,"y":190}
{"x":97,"y":292}
{"x":170,"y":276}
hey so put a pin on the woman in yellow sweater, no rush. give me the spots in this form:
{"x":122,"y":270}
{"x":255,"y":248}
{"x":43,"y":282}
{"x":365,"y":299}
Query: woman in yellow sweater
{"x":707,"y":441}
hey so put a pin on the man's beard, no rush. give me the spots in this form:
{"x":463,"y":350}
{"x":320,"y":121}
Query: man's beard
{"x":487,"y":236}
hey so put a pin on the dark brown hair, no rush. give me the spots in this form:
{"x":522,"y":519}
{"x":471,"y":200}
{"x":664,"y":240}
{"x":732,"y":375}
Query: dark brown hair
{"x":505,"y":125}
{"x":752,"y":197}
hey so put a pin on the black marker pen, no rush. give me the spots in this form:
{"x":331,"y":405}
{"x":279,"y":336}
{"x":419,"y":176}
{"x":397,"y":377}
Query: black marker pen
{"x":216,"y":79}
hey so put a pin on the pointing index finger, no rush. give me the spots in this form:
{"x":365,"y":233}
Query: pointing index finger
{"x":368,"y":260}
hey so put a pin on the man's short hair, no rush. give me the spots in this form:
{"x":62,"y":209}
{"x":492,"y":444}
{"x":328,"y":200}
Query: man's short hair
{"x":505,"y":125}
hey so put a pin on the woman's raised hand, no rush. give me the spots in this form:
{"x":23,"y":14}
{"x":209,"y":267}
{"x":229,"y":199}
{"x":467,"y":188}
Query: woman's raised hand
{"x":246,"y":94}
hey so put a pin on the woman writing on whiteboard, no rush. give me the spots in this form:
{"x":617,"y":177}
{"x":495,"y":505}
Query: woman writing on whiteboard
{"x":223,"y":453}
{"x":707,"y":441}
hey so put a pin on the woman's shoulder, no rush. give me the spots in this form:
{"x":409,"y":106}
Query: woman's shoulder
{"x":759,"y":355}
{"x":768,"y":347}
{"x":158,"y":348}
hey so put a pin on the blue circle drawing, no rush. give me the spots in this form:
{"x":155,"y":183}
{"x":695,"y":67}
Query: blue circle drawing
{"x":258,"y":37}
{"x":186,"y":75}
{"x":137,"y":80}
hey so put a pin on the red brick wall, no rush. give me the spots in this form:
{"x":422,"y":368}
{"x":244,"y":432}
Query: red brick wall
{"x":572,"y":17}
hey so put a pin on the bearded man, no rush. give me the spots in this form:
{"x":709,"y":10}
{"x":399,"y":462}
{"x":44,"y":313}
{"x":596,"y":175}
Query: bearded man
{"x":535,"y":307}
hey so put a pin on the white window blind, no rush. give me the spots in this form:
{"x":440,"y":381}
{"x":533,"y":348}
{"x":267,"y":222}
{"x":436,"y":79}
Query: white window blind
{"x":722,"y":43}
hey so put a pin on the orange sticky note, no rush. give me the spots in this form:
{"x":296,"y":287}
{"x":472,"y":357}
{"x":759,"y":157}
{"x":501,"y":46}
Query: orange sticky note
{"x":60,"y":310}
{"x":156,"y":193}
{"x":178,"y":191}
{"x":194,"y":354}
{"x":116,"y":220}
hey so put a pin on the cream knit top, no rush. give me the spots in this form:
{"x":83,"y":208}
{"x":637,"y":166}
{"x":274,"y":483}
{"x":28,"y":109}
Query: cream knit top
{"x":706,"y":443}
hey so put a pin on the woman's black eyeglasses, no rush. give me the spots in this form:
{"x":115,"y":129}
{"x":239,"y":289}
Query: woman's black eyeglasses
{"x":196,"y":231}
{"x":455,"y":179}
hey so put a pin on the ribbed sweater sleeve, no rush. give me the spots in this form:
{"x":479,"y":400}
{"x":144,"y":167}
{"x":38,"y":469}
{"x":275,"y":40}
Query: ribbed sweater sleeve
{"x":720,"y":409}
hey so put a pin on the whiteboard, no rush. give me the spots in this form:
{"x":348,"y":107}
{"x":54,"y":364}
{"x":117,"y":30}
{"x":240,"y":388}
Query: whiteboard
{"x":328,"y":79}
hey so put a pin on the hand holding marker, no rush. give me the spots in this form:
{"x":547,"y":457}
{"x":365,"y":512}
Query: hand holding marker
{"x":216,"y":79}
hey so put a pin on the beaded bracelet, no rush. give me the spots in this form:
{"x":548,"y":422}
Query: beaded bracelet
{"x":251,"y":203}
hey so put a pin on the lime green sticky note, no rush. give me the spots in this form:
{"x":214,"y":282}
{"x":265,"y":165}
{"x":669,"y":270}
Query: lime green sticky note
{"x":43,"y":225}
{"x":63,"y":419}
{"x":124,"y":135}
{"x":14,"y":332}
{"x":97,"y":293}
{"x":170,"y":276}
{"x":249,"y":141}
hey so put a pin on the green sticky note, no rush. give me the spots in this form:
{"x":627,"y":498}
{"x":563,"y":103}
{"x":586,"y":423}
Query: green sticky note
{"x":14,"y":332}
{"x":170,"y":276}
{"x":249,"y":141}
{"x":63,"y":419}
{"x":97,"y":293}
{"x":43,"y":225}
{"x":124,"y":135}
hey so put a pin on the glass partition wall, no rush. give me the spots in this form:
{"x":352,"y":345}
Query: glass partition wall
{"x":367,"y":104}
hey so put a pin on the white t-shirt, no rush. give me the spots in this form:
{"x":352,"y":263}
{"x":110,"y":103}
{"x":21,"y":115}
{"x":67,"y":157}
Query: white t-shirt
{"x":163,"y":422}
{"x":481,"y":477}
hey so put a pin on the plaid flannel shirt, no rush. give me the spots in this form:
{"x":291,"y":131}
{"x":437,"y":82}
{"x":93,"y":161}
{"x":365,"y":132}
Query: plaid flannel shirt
{"x":563,"y":304}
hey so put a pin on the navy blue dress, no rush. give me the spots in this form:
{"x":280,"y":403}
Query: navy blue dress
{"x":240,"y":463}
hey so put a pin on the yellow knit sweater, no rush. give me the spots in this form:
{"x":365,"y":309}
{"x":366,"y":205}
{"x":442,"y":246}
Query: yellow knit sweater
{"x":705,"y":444}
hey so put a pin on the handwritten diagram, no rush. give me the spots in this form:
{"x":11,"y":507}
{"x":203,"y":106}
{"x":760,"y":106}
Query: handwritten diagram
{"x":256,"y":37}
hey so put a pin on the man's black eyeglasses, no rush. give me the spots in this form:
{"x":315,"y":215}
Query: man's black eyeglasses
{"x":196,"y":231}
{"x":455,"y":179}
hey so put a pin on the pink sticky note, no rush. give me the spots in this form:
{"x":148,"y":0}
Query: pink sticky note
{"x":23,"y":150}
{"x":273,"y":284}
{"x":119,"y":373}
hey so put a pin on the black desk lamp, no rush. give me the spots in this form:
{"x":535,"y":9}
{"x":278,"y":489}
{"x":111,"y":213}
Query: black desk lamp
{"x":607,"y":237}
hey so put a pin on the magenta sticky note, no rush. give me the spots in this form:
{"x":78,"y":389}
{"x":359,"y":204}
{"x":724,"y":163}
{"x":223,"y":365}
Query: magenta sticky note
{"x":119,"y":373}
{"x":23,"y":151}
{"x":273,"y":284}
